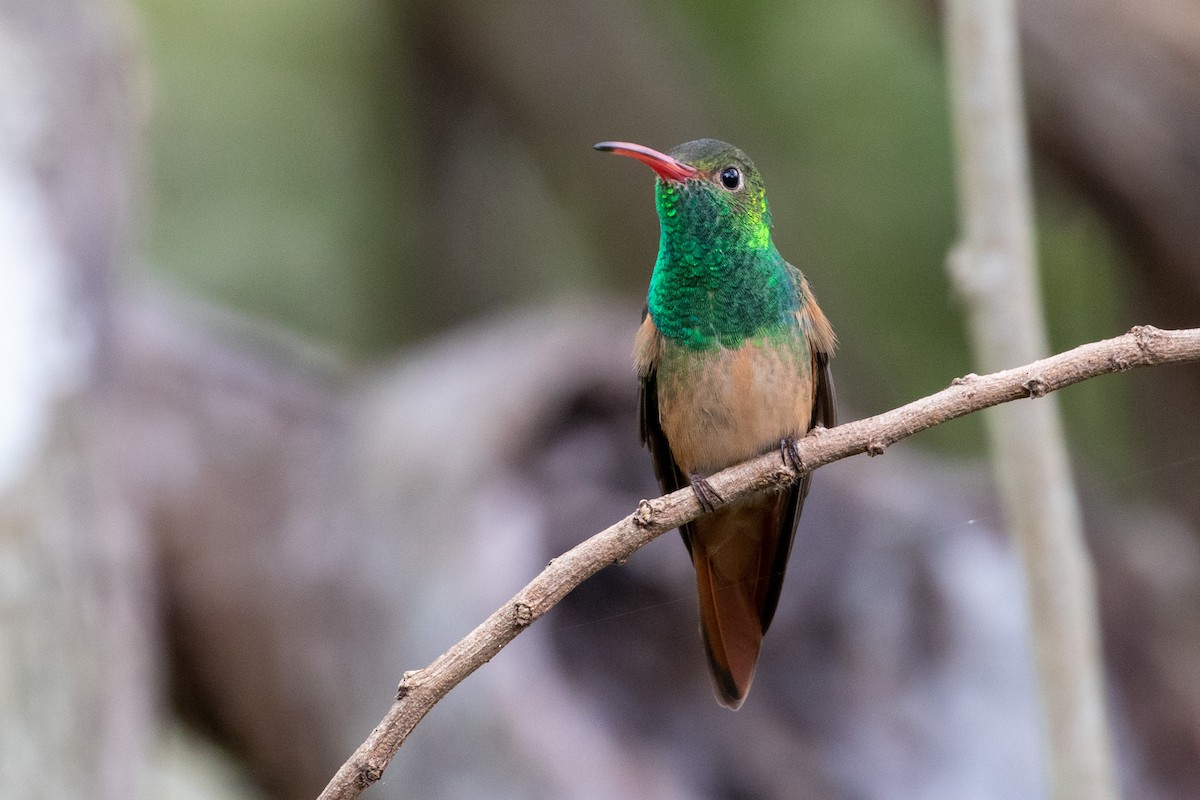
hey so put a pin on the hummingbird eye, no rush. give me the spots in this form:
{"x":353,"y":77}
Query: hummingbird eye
{"x":731,"y":178}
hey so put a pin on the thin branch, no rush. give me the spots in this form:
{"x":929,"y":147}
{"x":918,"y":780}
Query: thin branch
{"x":421,"y":689}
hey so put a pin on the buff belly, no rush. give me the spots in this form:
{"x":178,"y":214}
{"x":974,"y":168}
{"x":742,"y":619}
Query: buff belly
{"x":720,"y":406}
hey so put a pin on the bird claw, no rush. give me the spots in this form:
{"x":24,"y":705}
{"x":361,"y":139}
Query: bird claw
{"x":706,"y":496}
{"x":790,"y":453}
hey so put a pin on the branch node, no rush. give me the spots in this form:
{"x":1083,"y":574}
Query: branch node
{"x":367,"y":774}
{"x":644,"y":516}
{"x":1119,"y":364}
{"x":407,"y":684}
{"x":1147,"y":338}
{"x":782,"y":476}
{"x":875,"y":447}
{"x":969,"y":378}
{"x":1035,"y":387}
{"x":522,"y":613}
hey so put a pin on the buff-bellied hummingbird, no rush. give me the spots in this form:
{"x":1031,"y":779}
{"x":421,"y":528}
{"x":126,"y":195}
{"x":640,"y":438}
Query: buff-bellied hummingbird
{"x":733,"y":356}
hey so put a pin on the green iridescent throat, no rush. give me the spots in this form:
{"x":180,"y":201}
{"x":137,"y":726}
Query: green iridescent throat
{"x":718,"y":280}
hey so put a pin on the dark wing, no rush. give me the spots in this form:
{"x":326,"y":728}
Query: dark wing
{"x":650,"y":430}
{"x":670,"y":478}
{"x":825,"y":415}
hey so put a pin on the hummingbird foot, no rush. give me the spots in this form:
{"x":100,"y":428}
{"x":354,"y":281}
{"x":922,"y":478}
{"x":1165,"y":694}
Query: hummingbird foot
{"x":705,"y":494}
{"x":790,"y":454}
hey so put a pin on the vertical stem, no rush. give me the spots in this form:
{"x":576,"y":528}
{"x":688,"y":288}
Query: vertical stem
{"x":993,"y":269}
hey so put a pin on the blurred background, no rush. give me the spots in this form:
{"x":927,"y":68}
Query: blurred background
{"x":317,"y":331}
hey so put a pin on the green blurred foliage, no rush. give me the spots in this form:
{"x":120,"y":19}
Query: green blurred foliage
{"x":283,"y":182}
{"x":275,"y":157}
{"x":1082,"y":264}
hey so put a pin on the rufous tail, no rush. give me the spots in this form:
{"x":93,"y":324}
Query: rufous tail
{"x":737,"y":554}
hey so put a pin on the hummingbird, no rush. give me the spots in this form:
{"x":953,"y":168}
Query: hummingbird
{"x":733,"y":361}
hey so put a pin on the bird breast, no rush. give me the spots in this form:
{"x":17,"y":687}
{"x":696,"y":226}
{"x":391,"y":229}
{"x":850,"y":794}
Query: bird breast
{"x":721,"y":405}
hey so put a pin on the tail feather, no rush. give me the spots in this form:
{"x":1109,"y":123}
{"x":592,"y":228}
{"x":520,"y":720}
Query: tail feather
{"x":729,"y":621}
{"x":739,"y":553}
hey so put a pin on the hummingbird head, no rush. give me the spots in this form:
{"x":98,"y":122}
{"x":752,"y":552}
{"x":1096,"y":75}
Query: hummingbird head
{"x":707,"y":192}
{"x":718,"y":278}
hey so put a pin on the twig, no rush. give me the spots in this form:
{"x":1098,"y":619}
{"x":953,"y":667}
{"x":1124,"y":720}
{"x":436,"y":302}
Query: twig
{"x":994,"y":269}
{"x":421,"y":689}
